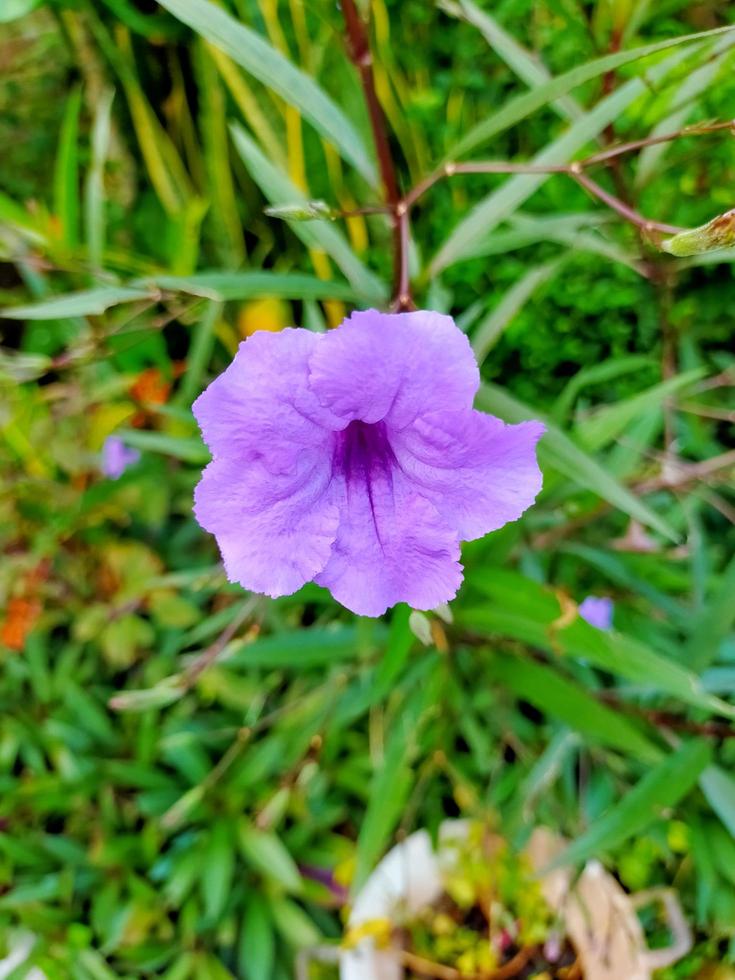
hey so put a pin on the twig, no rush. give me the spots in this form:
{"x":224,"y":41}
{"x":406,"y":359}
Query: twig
{"x":604,"y":156}
{"x":667,"y":719}
{"x":361,"y":56}
{"x":207,"y":658}
{"x":620,"y":207}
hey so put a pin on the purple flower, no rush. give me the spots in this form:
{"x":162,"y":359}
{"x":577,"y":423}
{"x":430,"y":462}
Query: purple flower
{"x":116,"y":457}
{"x":355,"y":459}
{"x":598,"y":611}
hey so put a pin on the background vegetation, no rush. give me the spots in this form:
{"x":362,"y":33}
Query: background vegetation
{"x":160,"y":819}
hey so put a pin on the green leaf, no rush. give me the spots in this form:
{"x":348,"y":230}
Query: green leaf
{"x":610,"y":421}
{"x":257,"y":948}
{"x":524,"y":610}
{"x":685,"y":99}
{"x":250,"y":285}
{"x":488,"y":331}
{"x":200,"y":351}
{"x":393,"y":778}
{"x":164,"y":693}
{"x":87,"y":302}
{"x":94,"y":191}
{"x":189,"y":449}
{"x":299,"y":649}
{"x":217,"y":870}
{"x":12,"y":9}
{"x":719,"y":788}
{"x":527,"y":66}
{"x":558,"y":451}
{"x":524,"y":105}
{"x":265,"y":852}
{"x":276,"y":72}
{"x":66,"y":171}
{"x":279,"y":189}
{"x":563,"y":699}
{"x":659,"y":789}
{"x":712,"y":624}
{"x":501,"y":204}
{"x":293,"y":923}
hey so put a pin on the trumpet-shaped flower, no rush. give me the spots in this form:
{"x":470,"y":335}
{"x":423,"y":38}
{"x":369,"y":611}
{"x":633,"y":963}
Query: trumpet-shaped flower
{"x":355,"y":459}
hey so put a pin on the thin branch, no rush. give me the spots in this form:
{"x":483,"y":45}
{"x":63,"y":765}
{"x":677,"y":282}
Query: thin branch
{"x":208,"y":657}
{"x":361,"y":56}
{"x":574,"y":170}
{"x":604,"y":156}
{"x":620,"y":207}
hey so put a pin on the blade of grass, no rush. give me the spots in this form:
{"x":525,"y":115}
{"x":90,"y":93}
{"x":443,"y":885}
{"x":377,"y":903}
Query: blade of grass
{"x":501,"y":204}
{"x":94,"y":193}
{"x":488,"y":331}
{"x":275,"y":71}
{"x":528,"y":67}
{"x":524,"y":105}
{"x":659,"y":789}
{"x":278,"y":189}
{"x":558,"y":451}
{"x":66,"y":171}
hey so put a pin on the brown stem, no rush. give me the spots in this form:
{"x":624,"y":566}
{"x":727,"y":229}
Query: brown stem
{"x":621,"y":148}
{"x":204,"y":660}
{"x":574,"y":170}
{"x":361,"y":56}
{"x":623,"y":209}
{"x":667,"y":719}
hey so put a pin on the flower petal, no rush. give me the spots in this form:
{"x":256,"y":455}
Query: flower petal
{"x":275,"y":531}
{"x":263,"y":399}
{"x":393,"y":367}
{"x":391,"y":547}
{"x":477,"y":471}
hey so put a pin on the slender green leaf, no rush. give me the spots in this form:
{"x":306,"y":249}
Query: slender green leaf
{"x":257,"y":947}
{"x":298,"y":649}
{"x":527,"y":66}
{"x":94,"y":192}
{"x":265,"y":852}
{"x":524,"y":610}
{"x":12,"y":9}
{"x":218,"y":869}
{"x":275,"y":71}
{"x":719,"y":788}
{"x":563,"y":699}
{"x":659,"y":789}
{"x":251,"y":285}
{"x":712,"y":624}
{"x":87,"y":302}
{"x":189,"y":449}
{"x":279,"y":189}
{"x":393,"y":779}
{"x":558,"y":451}
{"x":489,"y":329}
{"x":685,"y":99}
{"x":500,"y":204}
{"x":524,"y":105}
{"x":611,"y":421}
{"x":66,"y":170}
{"x":200,"y":351}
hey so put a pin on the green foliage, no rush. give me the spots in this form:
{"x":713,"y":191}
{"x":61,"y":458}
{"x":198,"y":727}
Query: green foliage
{"x":158,"y":819}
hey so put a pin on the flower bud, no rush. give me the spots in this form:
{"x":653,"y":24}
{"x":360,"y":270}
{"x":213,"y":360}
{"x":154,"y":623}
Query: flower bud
{"x":717,"y":233}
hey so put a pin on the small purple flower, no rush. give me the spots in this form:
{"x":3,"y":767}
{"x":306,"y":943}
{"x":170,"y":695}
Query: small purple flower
{"x":116,"y":457}
{"x":598,"y":611}
{"x":355,"y":459}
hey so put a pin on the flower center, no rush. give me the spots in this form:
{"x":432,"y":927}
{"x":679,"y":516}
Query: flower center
{"x":363,"y":451}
